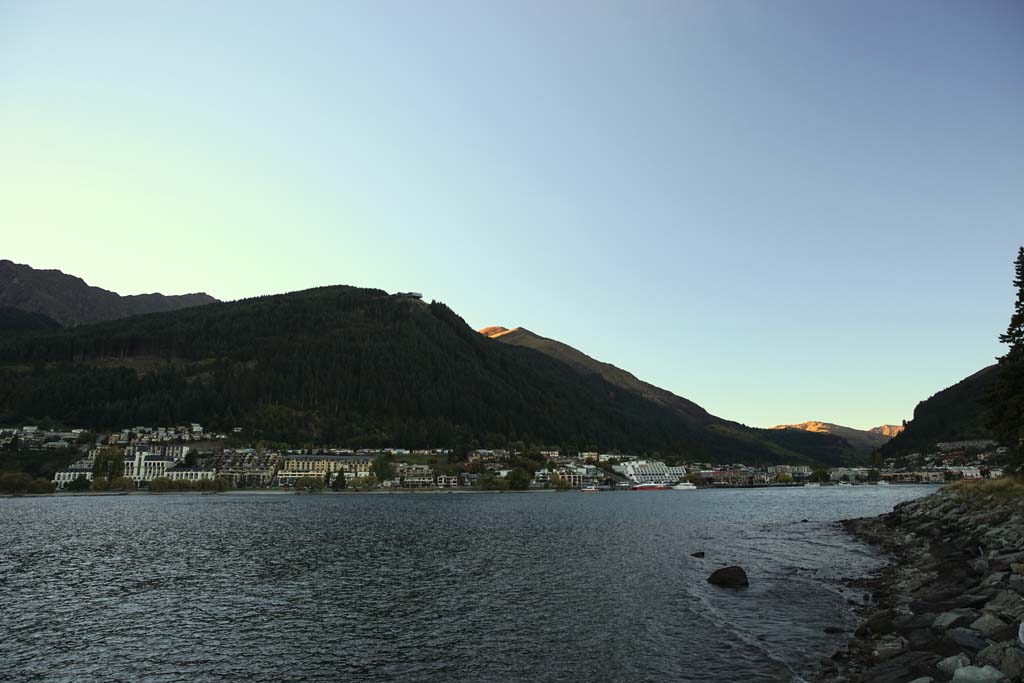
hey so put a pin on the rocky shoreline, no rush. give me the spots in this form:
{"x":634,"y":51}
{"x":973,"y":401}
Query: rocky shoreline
{"x":949,"y":608}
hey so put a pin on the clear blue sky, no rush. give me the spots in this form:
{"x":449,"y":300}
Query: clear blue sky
{"x":782,"y":210}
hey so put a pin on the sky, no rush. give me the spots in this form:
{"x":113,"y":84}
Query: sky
{"x":782,"y":210}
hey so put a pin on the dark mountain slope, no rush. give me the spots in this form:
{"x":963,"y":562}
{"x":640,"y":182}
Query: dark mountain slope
{"x":952,"y":414}
{"x":747,"y":443}
{"x":70,"y":301}
{"x":584,"y":364}
{"x":350,"y":366}
{"x":15,"y":321}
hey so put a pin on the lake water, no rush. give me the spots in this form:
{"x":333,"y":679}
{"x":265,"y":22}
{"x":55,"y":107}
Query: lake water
{"x":429,"y":587}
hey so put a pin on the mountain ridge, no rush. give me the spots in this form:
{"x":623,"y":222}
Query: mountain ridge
{"x":70,"y":300}
{"x":866,"y":440}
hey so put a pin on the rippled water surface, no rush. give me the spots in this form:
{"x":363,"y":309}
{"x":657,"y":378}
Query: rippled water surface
{"x":428,"y":587}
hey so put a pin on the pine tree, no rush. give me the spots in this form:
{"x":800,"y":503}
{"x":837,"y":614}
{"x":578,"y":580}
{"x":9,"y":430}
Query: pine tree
{"x":1014,"y":335}
{"x":1005,"y":400}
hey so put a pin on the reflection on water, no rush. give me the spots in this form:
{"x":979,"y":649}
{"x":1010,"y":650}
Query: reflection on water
{"x":428,"y":587}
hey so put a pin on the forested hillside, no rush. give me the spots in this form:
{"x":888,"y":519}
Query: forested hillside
{"x":16,"y":321}
{"x":952,"y":414}
{"x":356,"y":367}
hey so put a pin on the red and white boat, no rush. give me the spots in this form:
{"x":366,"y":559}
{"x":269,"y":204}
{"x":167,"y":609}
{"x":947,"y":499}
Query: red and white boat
{"x":650,"y":487}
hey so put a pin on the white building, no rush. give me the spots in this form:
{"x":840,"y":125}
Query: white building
{"x":188,"y":474}
{"x":147,"y":466}
{"x":650,"y":472}
{"x":415,"y":476}
{"x":62,"y":478}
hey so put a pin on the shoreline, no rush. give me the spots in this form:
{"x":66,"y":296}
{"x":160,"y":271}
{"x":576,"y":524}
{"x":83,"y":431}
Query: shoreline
{"x":950,"y":601}
{"x":392,"y":491}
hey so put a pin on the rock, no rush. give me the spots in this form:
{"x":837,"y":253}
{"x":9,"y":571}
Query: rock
{"x":978,"y":674}
{"x":730,"y":577}
{"x":911,"y":622}
{"x":881,"y":622}
{"x":976,"y":600}
{"x":921,"y":638}
{"x":698,"y":554}
{"x":970,"y":641}
{"x":888,"y":647}
{"x":1017,"y":568}
{"x":834,"y":630}
{"x":949,"y":665}
{"x":1008,"y":605}
{"x":905,"y":667}
{"x":1013,"y":664}
{"x":988,"y":624}
{"x":1005,"y":656}
{"x":923,"y":679}
{"x":954,"y":618}
{"x":994,"y":579}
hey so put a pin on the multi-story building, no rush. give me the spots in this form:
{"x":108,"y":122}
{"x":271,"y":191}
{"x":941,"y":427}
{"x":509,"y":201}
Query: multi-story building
{"x":62,"y":478}
{"x":415,"y":476}
{"x":297,"y":466}
{"x":650,"y":472}
{"x":246,"y":467}
{"x":188,"y":474}
{"x":144,"y":467}
{"x":174,"y":451}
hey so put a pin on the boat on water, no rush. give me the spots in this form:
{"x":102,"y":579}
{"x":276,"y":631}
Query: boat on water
{"x":684,"y":486}
{"x":589,"y":489}
{"x":883,"y":483}
{"x":812,"y":483}
{"x":650,"y":487}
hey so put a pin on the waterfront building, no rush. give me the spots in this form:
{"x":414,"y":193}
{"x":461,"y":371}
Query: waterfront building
{"x":145,"y":467}
{"x":297,"y":466}
{"x":415,"y":476}
{"x":189,"y":474}
{"x":650,"y":472}
{"x":62,"y":478}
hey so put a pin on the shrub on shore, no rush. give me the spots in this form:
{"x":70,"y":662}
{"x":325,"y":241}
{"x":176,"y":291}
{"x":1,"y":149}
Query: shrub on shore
{"x":309,"y":485}
{"x":122,"y":484}
{"x":19,"y":482}
{"x":1005,"y":487}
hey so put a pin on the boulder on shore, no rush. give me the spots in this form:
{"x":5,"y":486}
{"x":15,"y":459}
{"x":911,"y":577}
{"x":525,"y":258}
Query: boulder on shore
{"x":730,"y":577}
{"x":979,"y":674}
{"x":699,"y":554}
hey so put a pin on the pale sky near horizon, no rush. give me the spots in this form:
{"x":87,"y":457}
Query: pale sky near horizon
{"x":784,"y":211}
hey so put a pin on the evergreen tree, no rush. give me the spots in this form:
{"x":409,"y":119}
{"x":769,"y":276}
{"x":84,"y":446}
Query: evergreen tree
{"x":1005,"y":400}
{"x":1014,"y":336}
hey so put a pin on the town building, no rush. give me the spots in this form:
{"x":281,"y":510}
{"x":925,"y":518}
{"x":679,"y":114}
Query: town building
{"x":650,"y":472}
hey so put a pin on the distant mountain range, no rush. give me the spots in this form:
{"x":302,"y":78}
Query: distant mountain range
{"x":866,"y":440}
{"x":69,"y":301}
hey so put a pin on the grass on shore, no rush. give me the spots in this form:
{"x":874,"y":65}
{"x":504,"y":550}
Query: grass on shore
{"x":1006,"y":487}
